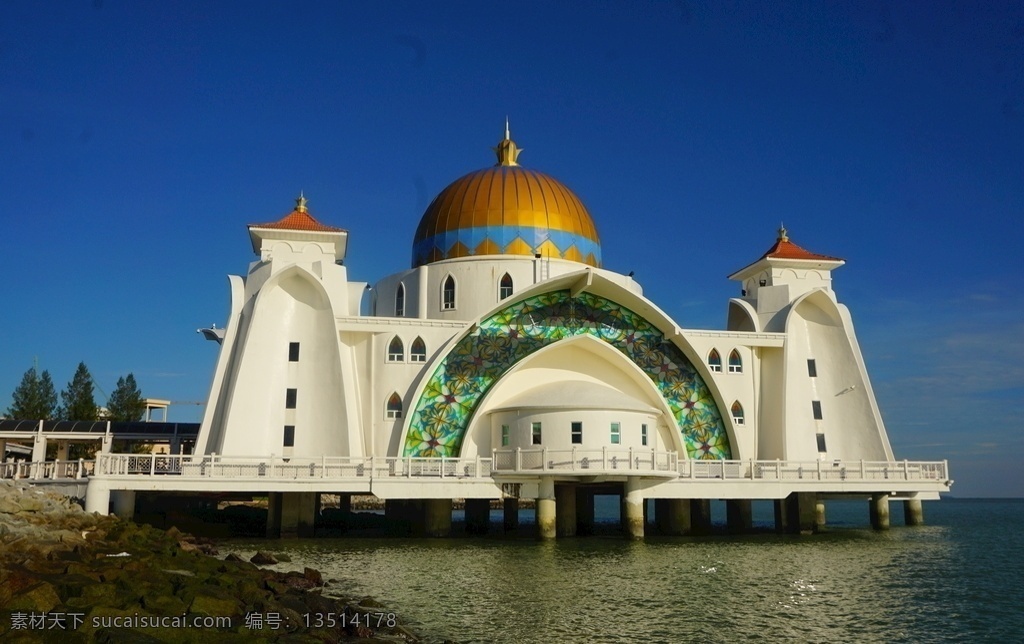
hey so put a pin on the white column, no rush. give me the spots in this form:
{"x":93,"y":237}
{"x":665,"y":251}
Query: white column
{"x":546,"y":508}
{"x":97,"y":496}
{"x":633,"y":521}
{"x":124,"y":503}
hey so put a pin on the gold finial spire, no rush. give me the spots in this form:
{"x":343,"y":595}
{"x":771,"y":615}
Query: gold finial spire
{"x":300,"y":203}
{"x":507,"y":150}
{"x":782,"y":232}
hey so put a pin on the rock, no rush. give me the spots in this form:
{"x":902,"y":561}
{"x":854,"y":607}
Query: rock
{"x":282,"y":558}
{"x":263,"y":559}
{"x":299,"y":582}
{"x":47,"y":565}
{"x":31,"y":503}
{"x":313,"y":576}
{"x":164,"y":604}
{"x":212,"y":606}
{"x":40,"y":598}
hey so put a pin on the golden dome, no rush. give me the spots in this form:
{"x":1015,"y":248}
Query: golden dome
{"x":506,"y":210}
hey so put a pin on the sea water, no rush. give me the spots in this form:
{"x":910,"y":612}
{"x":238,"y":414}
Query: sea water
{"x":960,"y":578}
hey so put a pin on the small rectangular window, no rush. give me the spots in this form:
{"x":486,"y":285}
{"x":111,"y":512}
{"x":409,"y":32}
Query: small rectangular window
{"x":577,"y":432}
{"x":504,"y":435}
{"x":536,"y":433}
{"x":289,"y":435}
{"x":616,"y":433}
{"x":812,"y":368}
{"x":290,"y":397}
{"x":643,"y":435}
{"x":816,"y":408}
{"x":821,"y":443}
{"x":293,"y":352}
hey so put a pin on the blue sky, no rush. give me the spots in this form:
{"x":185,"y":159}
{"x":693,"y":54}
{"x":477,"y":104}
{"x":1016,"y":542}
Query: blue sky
{"x":137,"y":140}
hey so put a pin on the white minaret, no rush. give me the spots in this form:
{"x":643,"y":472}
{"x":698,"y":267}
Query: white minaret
{"x":816,"y":399}
{"x":284,"y":384}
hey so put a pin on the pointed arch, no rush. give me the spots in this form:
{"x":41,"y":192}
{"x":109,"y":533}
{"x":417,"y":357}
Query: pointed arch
{"x":400,"y":301}
{"x":737,"y":413}
{"x":448,"y":293}
{"x":444,"y":404}
{"x":418,"y":350}
{"x":394,"y":407}
{"x":715,"y":361}
{"x":505,"y":287}
{"x":735,"y":362}
{"x":396,"y":350}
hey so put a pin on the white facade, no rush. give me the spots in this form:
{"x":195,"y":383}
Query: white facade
{"x":303,"y":374}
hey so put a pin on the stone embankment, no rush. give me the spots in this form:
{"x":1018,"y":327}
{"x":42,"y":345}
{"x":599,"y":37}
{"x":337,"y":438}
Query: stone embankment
{"x":70,"y":576}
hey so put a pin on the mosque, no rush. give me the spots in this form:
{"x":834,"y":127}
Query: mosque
{"x":506,"y":339}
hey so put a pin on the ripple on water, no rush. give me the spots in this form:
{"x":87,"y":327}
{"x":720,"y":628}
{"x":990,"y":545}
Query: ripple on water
{"x":940,"y":583}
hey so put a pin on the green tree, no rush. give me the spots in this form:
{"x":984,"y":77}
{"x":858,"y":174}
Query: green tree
{"x":79,"y":403}
{"x":126,"y":402}
{"x":35,"y":398}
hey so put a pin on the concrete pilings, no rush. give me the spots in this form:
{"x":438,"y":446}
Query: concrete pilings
{"x":700,"y":516}
{"x":97,"y":496}
{"x":437,"y":517}
{"x":478,"y":516}
{"x":292,"y":514}
{"x":565,"y":510}
{"x":913,"y":512}
{"x":800,"y":512}
{"x":584,"y":512}
{"x":546,"y":528}
{"x":345,"y":503}
{"x":879,"y":511}
{"x":633,"y":509}
{"x":124,"y":503}
{"x":672,"y":516}
{"x":510,"y":515}
{"x":819,"y":515}
{"x":739,"y":515}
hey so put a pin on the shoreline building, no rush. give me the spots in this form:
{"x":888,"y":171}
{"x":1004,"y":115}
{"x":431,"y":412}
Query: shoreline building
{"x":507,"y":332}
{"x":507,"y":358}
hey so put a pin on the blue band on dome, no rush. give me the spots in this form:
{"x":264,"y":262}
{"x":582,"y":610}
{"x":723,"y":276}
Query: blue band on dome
{"x":502,"y":237}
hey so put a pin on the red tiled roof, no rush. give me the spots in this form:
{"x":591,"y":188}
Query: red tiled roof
{"x":785,"y":249}
{"x":299,"y":219}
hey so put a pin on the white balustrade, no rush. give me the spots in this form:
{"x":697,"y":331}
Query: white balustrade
{"x":525,"y":461}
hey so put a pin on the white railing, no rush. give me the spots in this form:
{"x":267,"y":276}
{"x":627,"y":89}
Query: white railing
{"x":277,"y":467}
{"x":527,"y":461}
{"x":816,"y":470}
{"x":584,"y":461}
{"x":47,"y":470}
{"x":592,"y":461}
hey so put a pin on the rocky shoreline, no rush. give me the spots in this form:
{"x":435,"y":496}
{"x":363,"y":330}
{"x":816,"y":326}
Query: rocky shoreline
{"x":72,"y":576}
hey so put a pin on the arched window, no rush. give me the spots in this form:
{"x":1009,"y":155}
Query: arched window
{"x":396,"y":350}
{"x":448,"y":294}
{"x":505,"y":287}
{"x":715,"y":361}
{"x":418,"y":351}
{"x":735,"y":362}
{"x":400,"y":301}
{"x":394,"y":406}
{"x":737,"y":413}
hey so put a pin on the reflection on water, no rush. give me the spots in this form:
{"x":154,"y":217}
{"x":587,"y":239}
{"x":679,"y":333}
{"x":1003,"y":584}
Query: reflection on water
{"x":847,"y":585}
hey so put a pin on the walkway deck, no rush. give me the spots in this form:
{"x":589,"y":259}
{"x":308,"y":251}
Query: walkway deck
{"x":663,"y":474}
